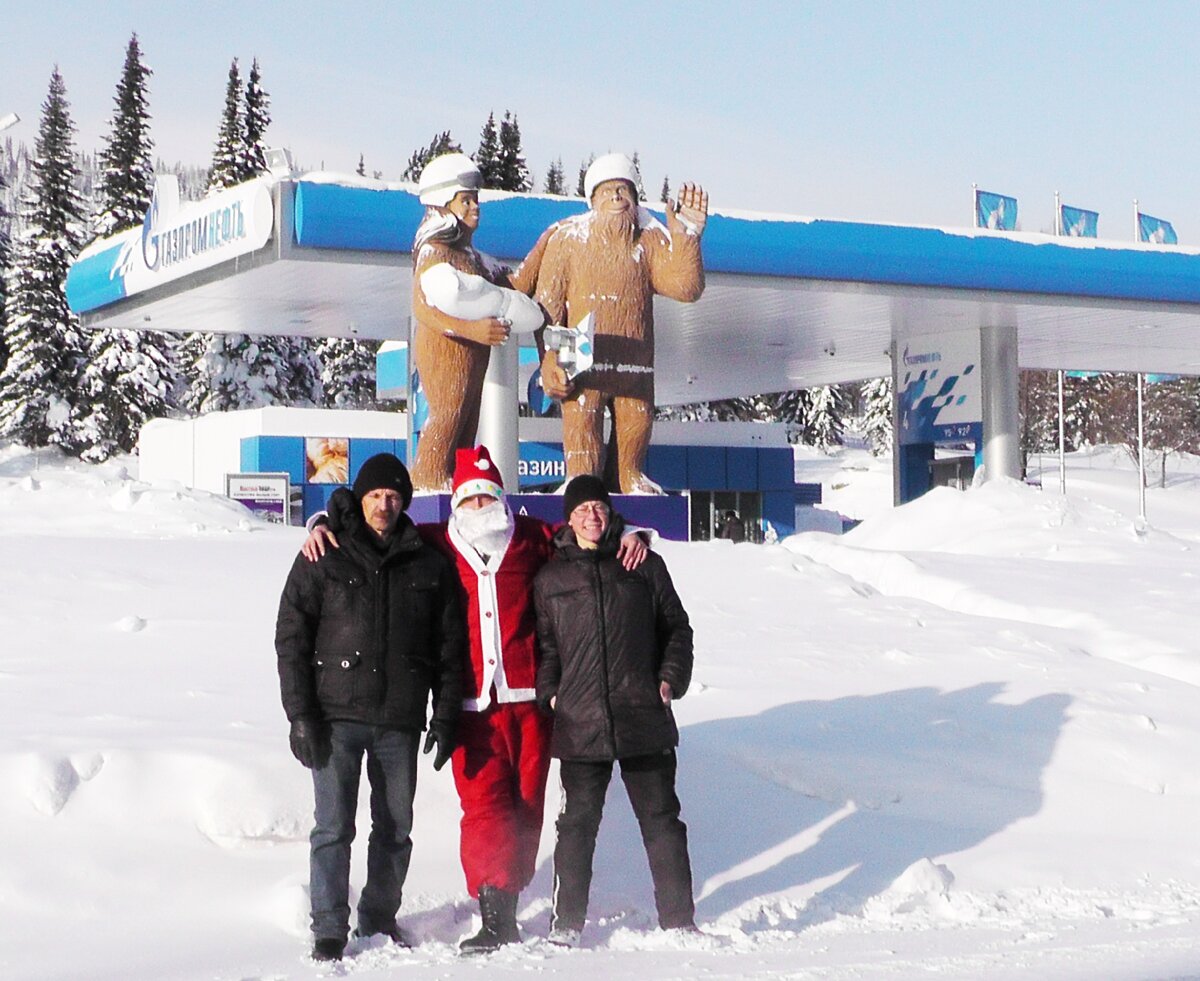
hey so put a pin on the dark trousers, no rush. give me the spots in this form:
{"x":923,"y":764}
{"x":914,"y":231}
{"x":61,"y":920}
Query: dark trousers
{"x":650,"y":783}
{"x":392,"y":773}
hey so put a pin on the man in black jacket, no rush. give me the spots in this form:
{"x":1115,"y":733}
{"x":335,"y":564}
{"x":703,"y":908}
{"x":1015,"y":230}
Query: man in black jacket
{"x":616,"y":649}
{"x":364,"y":636}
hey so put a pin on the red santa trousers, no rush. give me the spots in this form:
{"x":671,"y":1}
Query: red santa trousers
{"x":500,"y":768}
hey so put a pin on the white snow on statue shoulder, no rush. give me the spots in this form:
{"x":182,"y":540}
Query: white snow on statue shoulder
{"x":471,"y":297}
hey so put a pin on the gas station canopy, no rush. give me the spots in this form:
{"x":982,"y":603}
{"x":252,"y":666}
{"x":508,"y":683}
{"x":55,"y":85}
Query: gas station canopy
{"x":790,"y":302}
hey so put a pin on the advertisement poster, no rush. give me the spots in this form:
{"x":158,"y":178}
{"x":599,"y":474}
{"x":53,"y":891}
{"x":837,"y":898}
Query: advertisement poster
{"x":327,"y":460}
{"x":267,"y":495}
{"x":939,"y":396}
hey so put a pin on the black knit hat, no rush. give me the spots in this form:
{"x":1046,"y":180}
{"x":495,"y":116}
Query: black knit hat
{"x":584,"y":488}
{"x":384,"y":470}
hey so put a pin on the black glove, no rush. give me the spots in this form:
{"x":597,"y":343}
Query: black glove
{"x":441,"y":735}
{"x":309,"y":740}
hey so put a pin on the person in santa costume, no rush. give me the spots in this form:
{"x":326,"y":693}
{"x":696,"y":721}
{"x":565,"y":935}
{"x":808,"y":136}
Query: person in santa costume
{"x":502,"y":754}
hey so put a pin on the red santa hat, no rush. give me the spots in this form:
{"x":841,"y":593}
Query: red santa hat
{"x":475,"y":473}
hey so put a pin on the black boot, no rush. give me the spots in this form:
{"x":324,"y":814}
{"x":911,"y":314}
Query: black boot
{"x":328,"y":949}
{"x":499,"y":912}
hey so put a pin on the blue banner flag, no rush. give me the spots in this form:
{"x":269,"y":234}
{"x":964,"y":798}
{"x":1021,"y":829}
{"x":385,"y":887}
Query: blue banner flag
{"x":1160,"y":379}
{"x":1078,"y":223}
{"x":996,"y":211}
{"x":1151,"y":229}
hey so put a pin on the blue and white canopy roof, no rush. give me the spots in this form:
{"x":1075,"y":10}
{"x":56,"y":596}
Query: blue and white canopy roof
{"x":790,"y":302}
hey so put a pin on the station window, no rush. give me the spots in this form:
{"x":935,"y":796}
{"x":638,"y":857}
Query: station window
{"x":710,"y":507}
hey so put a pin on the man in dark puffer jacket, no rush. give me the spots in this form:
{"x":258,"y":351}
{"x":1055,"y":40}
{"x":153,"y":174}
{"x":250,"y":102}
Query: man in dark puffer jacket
{"x":363,"y":637}
{"x":616,"y":649}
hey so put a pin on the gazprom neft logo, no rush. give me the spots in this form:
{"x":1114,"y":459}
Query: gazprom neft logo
{"x":179,"y":237}
{"x":219,"y":227}
{"x":912,"y":359}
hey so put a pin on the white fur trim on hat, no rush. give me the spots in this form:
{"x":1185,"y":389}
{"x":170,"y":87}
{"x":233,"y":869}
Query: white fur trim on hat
{"x":477,"y":485}
{"x":444,"y":176}
{"x":610,"y":167}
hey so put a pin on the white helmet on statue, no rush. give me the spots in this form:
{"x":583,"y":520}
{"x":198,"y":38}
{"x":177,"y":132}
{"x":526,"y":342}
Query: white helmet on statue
{"x":444,"y":176}
{"x":610,"y":167}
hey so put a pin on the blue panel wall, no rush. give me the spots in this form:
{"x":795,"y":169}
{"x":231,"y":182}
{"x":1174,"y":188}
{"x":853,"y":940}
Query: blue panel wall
{"x":808,"y":493}
{"x":741,"y":468}
{"x":779,"y":508}
{"x":776,"y":468}
{"x":667,"y":466}
{"x":673,"y":467}
{"x":274,"y":454}
{"x":361,"y":450}
{"x":913,"y":470}
{"x":540,"y":465}
{"x":706,"y":468}
{"x":316,"y":498}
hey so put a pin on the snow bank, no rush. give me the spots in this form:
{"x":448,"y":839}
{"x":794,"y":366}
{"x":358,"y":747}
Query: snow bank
{"x":958,"y":741}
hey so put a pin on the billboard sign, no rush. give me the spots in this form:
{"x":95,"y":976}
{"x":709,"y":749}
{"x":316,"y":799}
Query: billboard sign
{"x":940,"y":399}
{"x":267,"y":495}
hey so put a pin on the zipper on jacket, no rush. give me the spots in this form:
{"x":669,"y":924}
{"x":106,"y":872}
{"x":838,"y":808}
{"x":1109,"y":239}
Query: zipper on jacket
{"x":608,"y":716}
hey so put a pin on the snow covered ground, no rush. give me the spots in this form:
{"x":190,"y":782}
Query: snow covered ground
{"x":961,"y":741}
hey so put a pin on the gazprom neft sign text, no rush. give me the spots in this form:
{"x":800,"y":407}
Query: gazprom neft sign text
{"x":182,"y":237}
{"x":218,"y":228}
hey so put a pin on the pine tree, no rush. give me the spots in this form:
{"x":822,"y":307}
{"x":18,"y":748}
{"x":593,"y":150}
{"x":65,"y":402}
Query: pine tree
{"x":637,"y":166}
{"x":40,"y":381}
{"x":348,"y":373}
{"x":257,"y":119}
{"x":877,"y":414}
{"x":441,"y":143}
{"x":229,"y":159}
{"x":5,"y":262}
{"x":241,"y":372}
{"x":583,"y":169}
{"x":128,"y":377}
{"x":127,"y":167}
{"x":487,"y":157}
{"x":304,"y":376}
{"x":514,"y":175}
{"x":361,"y":169}
{"x":665,"y":194}
{"x":826,"y":420}
{"x":1037,"y":401}
{"x":556,"y":182}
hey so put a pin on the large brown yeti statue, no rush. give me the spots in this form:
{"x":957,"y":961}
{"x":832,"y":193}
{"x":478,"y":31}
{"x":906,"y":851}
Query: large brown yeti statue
{"x":610,"y":262}
{"x":451,"y":351}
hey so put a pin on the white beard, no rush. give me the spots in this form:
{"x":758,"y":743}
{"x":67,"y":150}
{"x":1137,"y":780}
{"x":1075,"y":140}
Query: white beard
{"x":487,"y":530}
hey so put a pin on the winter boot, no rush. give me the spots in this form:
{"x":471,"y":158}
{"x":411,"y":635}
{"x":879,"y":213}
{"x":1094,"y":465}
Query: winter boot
{"x":328,"y":949}
{"x":498,"y":910}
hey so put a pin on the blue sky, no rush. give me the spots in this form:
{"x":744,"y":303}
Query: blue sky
{"x":848,"y":109}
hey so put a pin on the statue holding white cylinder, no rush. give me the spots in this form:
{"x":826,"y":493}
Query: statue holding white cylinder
{"x":463,"y":304}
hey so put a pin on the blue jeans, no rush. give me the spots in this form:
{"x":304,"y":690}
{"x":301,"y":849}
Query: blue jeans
{"x":392,"y":774}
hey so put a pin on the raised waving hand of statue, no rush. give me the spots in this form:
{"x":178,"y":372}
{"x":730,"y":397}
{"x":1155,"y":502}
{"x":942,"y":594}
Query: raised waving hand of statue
{"x":463,"y":303}
{"x":689,"y":212}
{"x":598,"y":275}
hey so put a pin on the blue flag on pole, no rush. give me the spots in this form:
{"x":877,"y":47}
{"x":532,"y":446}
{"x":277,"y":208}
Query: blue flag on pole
{"x":1151,"y":229}
{"x":1077,"y":222}
{"x":996,"y":211}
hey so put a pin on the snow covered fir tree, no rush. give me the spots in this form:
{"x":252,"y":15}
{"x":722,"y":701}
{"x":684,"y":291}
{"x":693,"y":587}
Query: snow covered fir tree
{"x":128,"y":376}
{"x":241,"y":371}
{"x":348,"y":373}
{"x":39,"y":386}
{"x":514,"y":174}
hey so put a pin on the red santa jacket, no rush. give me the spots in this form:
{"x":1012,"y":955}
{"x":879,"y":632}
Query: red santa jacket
{"x":497,"y":597}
